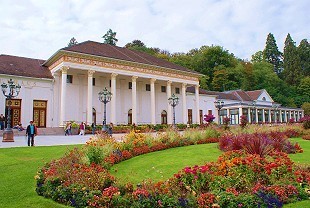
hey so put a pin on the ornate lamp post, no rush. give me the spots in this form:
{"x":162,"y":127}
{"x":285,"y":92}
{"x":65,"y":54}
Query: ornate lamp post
{"x":219,"y":105}
{"x":105,"y":97}
{"x":10,"y":91}
{"x":254,"y":111}
{"x":173,"y":101}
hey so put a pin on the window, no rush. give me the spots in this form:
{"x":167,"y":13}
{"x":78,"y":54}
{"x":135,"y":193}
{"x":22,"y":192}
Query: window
{"x":94,"y":82}
{"x":163,"y":88}
{"x":164,"y":117}
{"x":190,"y":116}
{"x":264,"y":99}
{"x":110,"y":83}
{"x":130,"y":116}
{"x":148,"y":87}
{"x":130,"y":85}
{"x":201,"y":116}
{"x":177,"y":90}
{"x":210,"y":112}
{"x":69,"y":78}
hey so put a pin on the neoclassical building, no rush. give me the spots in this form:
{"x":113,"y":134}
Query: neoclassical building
{"x":65,"y":87}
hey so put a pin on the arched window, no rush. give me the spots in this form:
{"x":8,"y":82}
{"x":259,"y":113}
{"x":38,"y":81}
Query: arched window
{"x":130,"y":116}
{"x":94,"y":115}
{"x":164,"y":117}
{"x":264,"y":99}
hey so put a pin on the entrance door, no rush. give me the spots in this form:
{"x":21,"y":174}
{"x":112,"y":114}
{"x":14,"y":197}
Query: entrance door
{"x":15,"y":111}
{"x":39,"y":113}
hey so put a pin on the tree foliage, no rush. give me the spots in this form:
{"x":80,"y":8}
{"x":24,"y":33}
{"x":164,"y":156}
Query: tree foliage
{"x":292,"y":67}
{"x":287,"y":83}
{"x":110,"y":37}
{"x":272,"y":55}
{"x":72,"y":42}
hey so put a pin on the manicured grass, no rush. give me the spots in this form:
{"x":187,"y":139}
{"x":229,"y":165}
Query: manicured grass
{"x":18,"y":166}
{"x":162,"y":165}
{"x":303,"y":158}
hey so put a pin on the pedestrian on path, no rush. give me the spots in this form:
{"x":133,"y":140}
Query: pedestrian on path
{"x":2,"y":120}
{"x":82,"y":128}
{"x":31,"y":132}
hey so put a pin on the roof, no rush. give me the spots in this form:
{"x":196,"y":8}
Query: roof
{"x":238,"y":95}
{"x":255,"y":94}
{"x":26,"y":67}
{"x":115,"y":52}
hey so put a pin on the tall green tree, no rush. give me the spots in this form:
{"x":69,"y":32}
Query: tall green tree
{"x":72,"y":42}
{"x":291,"y":62}
{"x":272,"y":54}
{"x":135,"y":43}
{"x":304,"y":55}
{"x":110,"y":37}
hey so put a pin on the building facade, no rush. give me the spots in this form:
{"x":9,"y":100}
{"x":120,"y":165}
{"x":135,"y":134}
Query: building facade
{"x":65,"y":88}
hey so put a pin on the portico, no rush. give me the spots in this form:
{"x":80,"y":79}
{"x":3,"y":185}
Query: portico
{"x":139,"y":88}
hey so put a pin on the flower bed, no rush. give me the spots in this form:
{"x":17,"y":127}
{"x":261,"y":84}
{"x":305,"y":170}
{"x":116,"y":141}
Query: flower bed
{"x":237,"y":179}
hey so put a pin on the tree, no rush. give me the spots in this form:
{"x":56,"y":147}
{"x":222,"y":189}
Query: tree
{"x":306,"y":108}
{"x":135,"y":43}
{"x":203,"y":80}
{"x":257,"y":57}
{"x":272,"y":55}
{"x":220,"y":80}
{"x":110,"y":38}
{"x":291,"y":62}
{"x":72,"y":42}
{"x":304,"y":55}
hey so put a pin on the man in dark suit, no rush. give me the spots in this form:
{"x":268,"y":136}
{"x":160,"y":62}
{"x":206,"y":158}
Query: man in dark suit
{"x":31,"y":132}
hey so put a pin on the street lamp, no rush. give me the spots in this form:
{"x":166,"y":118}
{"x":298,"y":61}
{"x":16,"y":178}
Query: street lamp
{"x":105,"y":97}
{"x":219,"y":105}
{"x":10,"y":91}
{"x":173,"y":101}
{"x":254,"y":110}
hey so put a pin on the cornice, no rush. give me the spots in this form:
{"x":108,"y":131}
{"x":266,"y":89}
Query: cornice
{"x":92,"y":60}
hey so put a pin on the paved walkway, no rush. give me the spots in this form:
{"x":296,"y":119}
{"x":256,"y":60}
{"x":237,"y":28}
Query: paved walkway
{"x":51,"y":140}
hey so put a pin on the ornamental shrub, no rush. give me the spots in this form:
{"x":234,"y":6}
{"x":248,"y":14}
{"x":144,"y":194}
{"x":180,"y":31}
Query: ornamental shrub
{"x":305,"y":121}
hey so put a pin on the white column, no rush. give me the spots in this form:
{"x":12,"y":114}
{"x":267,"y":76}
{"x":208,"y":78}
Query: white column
{"x":89,"y":111}
{"x":240,"y":114}
{"x":184,"y":108}
{"x":269,"y":111}
{"x":113,"y":99}
{"x":197,"y":104}
{"x":263,"y":115}
{"x":256,"y":115}
{"x":134,"y":99}
{"x":62,"y":119}
{"x":55,"y":100}
{"x":169,"y":110}
{"x":153,"y":108}
{"x":280,"y":114}
{"x":302,"y":114}
{"x":249,"y":115}
{"x":290,"y":115}
{"x":285,"y":117}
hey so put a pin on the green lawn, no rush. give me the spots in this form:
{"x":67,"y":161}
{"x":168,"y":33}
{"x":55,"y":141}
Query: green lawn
{"x":18,"y":167}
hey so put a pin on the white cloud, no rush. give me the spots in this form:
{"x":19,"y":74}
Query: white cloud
{"x":38,"y":28}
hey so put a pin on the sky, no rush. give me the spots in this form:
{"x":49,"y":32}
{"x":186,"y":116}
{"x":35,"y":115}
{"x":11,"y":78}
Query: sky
{"x":38,"y":28}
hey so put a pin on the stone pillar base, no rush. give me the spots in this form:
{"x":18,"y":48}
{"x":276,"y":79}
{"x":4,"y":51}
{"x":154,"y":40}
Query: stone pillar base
{"x":8,"y":135}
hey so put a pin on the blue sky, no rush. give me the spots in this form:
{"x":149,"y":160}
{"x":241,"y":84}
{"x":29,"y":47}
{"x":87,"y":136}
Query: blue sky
{"x":38,"y":28}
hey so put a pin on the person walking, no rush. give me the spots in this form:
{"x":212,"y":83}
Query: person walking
{"x":110,"y":129}
{"x":2,"y":120}
{"x":68,"y":129}
{"x":82,"y":128}
{"x":31,"y":132}
{"x":93,"y":128}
